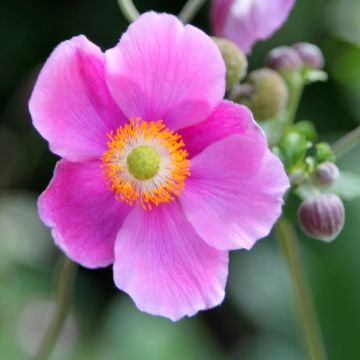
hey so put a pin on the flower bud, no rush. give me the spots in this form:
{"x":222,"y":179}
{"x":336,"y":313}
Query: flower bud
{"x":235,"y":61}
{"x":284,"y":59}
{"x":324,"y":152}
{"x":306,"y":128}
{"x":266,"y":94}
{"x":327,"y":173}
{"x":322,"y":216}
{"x":310,"y":54}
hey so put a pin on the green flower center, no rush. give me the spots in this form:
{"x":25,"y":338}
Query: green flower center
{"x":143,"y":162}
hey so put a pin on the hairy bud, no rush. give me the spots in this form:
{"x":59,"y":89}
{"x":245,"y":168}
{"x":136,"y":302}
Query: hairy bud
{"x":322,"y":216}
{"x":310,"y":54}
{"x":266,"y":94}
{"x":284,"y":59}
{"x":235,"y":61}
{"x":326,"y":173}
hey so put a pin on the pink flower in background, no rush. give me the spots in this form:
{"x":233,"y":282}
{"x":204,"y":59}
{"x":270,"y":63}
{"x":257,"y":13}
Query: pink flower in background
{"x":247,"y":21}
{"x":159,"y":176}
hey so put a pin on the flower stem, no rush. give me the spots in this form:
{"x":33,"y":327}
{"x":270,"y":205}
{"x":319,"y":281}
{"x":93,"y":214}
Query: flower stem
{"x":129,"y":10}
{"x":347,"y":143}
{"x":283,"y":124}
{"x":65,"y":285}
{"x":190,"y":9}
{"x":296,"y":87}
{"x":306,"y":311}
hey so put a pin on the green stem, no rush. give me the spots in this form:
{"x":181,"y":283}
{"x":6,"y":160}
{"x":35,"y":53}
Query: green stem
{"x":190,"y":9}
{"x":306,"y":311}
{"x":296,"y":87}
{"x":129,"y":10}
{"x":283,"y":124}
{"x":66,"y":277}
{"x":347,"y":143}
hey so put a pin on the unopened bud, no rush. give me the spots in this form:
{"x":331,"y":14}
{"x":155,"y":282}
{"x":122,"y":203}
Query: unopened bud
{"x":322,"y":217}
{"x":284,"y":59}
{"x":266,"y":94}
{"x":324,"y":152}
{"x":235,"y":61}
{"x":306,"y":128}
{"x":310,"y":54}
{"x":327,"y":173}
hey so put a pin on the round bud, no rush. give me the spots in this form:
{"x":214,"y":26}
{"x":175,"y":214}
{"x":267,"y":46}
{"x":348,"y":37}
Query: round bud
{"x":266,"y":94}
{"x":235,"y":61}
{"x":284,"y":59}
{"x":327,"y":173}
{"x":310,"y":54}
{"x":324,"y":152}
{"x":322,"y":216}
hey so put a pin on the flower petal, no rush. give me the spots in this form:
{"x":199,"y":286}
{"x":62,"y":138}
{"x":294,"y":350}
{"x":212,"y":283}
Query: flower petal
{"x":160,"y":70}
{"x":247,"y":21}
{"x":227,"y":119}
{"x":165,"y":267}
{"x":233,"y":198}
{"x":70,"y":105}
{"x":82,"y":213}
{"x":219,"y":12}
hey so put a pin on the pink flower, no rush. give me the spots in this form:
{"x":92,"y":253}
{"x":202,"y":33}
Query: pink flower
{"x":159,"y":176}
{"x":247,"y":21}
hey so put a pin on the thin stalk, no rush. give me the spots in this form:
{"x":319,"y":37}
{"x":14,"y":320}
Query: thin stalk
{"x":129,"y":10}
{"x":282,"y":125}
{"x":347,"y":143}
{"x":306,"y":312}
{"x":296,"y":87}
{"x":65,"y":285}
{"x":190,"y":9}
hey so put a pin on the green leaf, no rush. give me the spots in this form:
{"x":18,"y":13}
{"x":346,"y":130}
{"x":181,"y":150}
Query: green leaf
{"x":347,"y":186}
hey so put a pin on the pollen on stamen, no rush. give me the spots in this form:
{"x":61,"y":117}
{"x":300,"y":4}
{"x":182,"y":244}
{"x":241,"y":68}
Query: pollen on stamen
{"x":174,"y":166}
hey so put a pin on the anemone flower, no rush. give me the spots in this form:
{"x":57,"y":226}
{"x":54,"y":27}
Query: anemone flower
{"x":159,"y":176}
{"x":247,"y":21}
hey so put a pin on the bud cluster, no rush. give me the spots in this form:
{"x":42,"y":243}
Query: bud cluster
{"x":285,"y":59}
{"x":269,"y":93}
{"x":312,"y":170}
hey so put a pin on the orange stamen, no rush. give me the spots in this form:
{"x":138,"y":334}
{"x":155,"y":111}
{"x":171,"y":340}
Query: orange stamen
{"x":130,"y":190}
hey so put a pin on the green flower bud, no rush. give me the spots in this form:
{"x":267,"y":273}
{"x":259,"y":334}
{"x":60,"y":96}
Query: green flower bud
{"x":266,"y":94}
{"x":326,"y":173}
{"x":235,"y":61}
{"x":293,"y":149}
{"x":322,"y":216}
{"x":306,"y":128}
{"x":324,"y":152}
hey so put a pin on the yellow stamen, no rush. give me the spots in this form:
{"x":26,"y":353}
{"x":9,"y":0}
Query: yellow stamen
{"x":173,"y":169}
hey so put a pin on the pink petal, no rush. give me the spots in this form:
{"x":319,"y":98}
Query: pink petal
{"x":82,"y":213}
{"x":165,"y":267}
{"x":161,"y":70}
{"x":247,"y":21}
{"x":233,"y":197}
{"x":219,"y":13}
{"x":227,"y":119}
{"x":70,"y":105}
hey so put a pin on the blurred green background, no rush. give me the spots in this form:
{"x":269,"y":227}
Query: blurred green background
{"x":257,"y":320}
